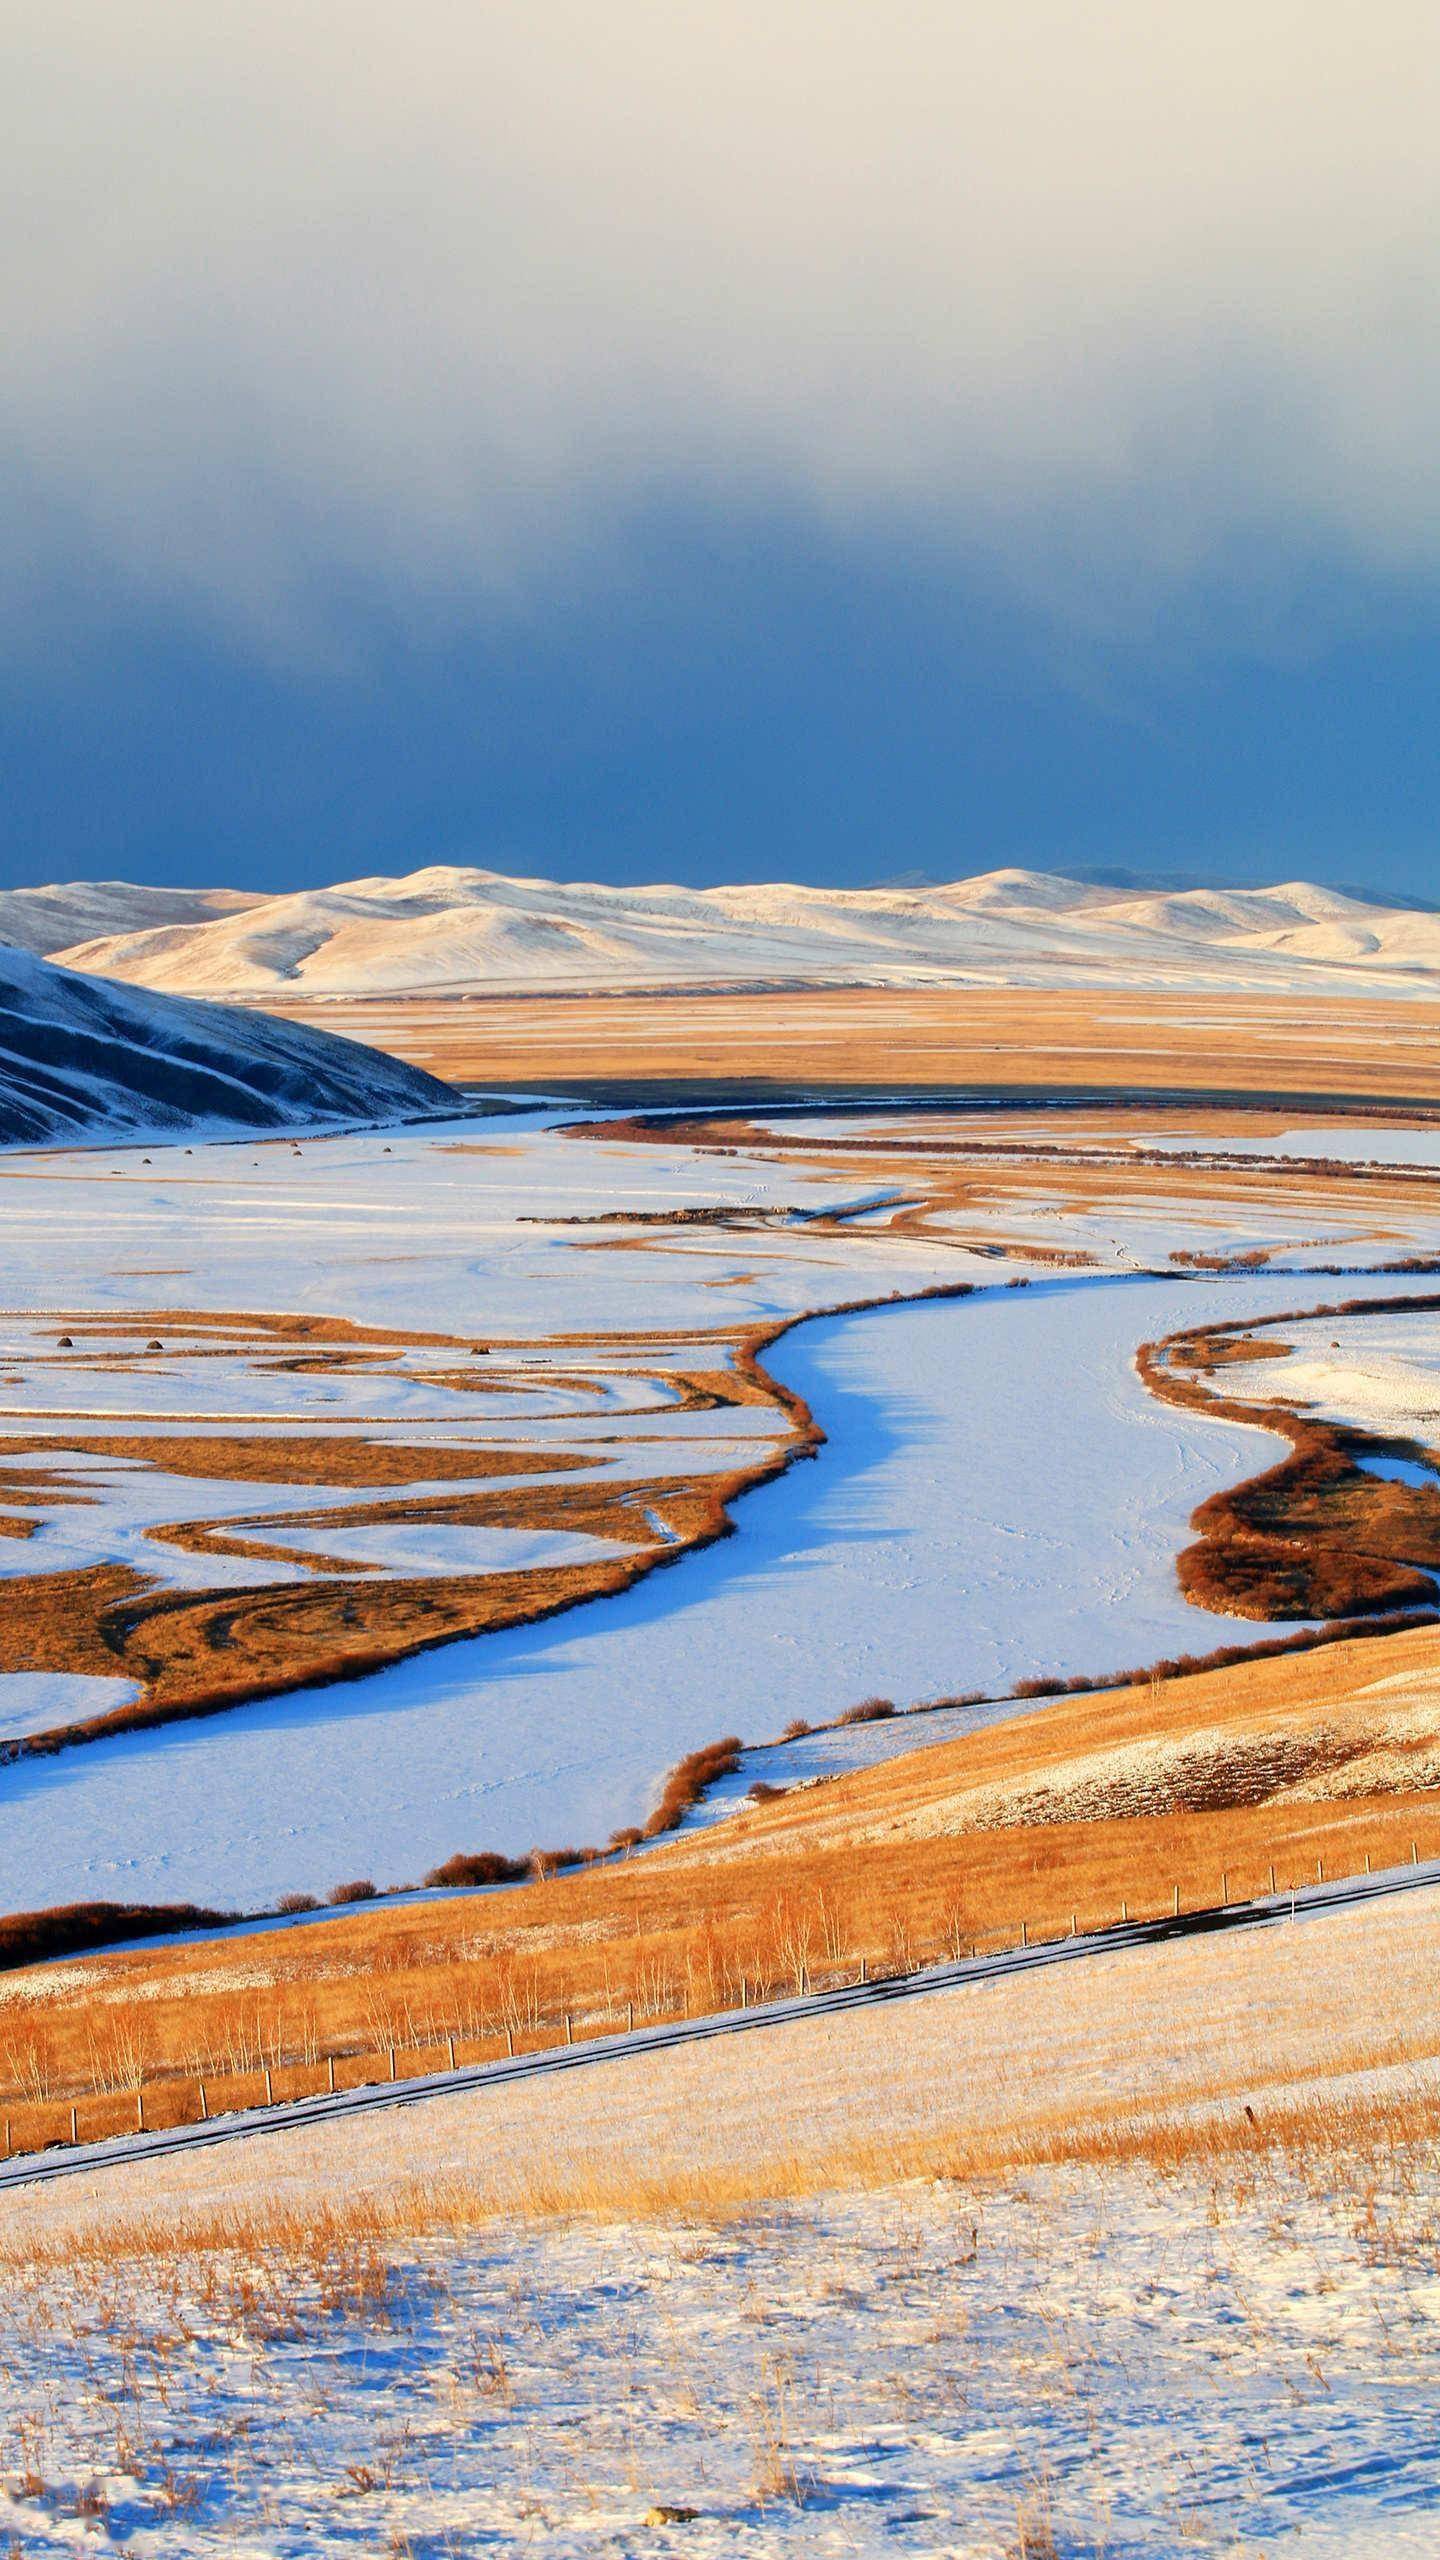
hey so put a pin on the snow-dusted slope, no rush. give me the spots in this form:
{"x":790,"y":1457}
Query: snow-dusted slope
{"x":81,"y":1058}
{"x":443,"y":930}
{"x":71,"y":911}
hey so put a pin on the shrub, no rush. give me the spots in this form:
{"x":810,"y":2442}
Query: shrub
{"x":1048,"y":1687}
{"x":290,"y":1903}
{"x":794,"y":1729}
{"x":483,"y":1866}
{"x":763,"y":1792}
{"x":73,"y":1928}
{"x":869,"y":1711}
{"x":688,"y":1781}
{"x":360,"y":1890}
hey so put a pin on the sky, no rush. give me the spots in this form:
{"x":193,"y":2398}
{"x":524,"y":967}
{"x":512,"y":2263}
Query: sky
{"x":719,"y":439}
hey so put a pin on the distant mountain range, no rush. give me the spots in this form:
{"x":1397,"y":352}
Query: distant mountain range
{"x":446,"y":931}
{"x":80,"y":1059}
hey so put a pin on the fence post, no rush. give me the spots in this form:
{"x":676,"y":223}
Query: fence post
{"x":450,"y":2049}
{"x":864,"y":1968}
{"x":1125,"y":1914}
{"x":204,"y":2106}
{"x":1177,"y":1901}
{"x":509,"y":2039}
{"x":1272,"y":1875}
{"x":1319,"y":1870}
{"x":139,"y":2110}
{"x":392,"y":2061}
{"x":330,"y":2073}
{"x":1224,"y":1887}
{"x":1074,"y":1924}
{"x":269,"y":2087}
{"x":1024,"y":1933}
{"x":630,"y":2009}
{"x":74,"y":2124}
{"x":1367,"y":1862}
{"x":569,"y":2030}
{"x":1414,"y":1853}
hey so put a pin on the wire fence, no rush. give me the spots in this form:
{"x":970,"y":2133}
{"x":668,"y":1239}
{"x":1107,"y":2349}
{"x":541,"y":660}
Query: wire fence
{"x":161,"y":2101}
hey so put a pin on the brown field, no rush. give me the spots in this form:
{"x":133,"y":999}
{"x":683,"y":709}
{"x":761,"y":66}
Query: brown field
{"x":1199,"y":1788}
{"x":980,"y":1039}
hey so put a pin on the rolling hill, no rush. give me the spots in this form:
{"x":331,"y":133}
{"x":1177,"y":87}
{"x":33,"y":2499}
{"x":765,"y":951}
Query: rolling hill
{"x":450,"y":931}
{"x":72,"y":911}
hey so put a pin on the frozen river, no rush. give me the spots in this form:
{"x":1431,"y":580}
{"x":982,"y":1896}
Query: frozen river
{"x":999,"y":1497}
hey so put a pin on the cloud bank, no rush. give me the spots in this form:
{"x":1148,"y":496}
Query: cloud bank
{"x":437,"y":294}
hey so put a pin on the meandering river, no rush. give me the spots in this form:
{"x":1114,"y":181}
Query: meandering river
{"x":999,"y":1497}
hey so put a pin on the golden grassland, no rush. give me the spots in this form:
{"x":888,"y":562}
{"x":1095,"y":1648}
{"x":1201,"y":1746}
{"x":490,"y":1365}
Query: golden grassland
{"x":1218,"y":2054}
{"x":1193,"y":1790}
{"x":1095,"y":1039}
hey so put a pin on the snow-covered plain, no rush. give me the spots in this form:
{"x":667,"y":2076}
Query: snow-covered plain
{"x":444,"y":930}
{"x":37,"y":1701}
{"x":997,"y":1498}
{"x":1104,"y":2369}
{"x":1359,"y":1143}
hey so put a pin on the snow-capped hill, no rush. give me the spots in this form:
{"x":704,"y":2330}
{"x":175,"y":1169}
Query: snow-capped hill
{"x":443,"y":931}
{"x":56,"y":918}
{"x":1012,"y":891}
{"x":82,"y":1058}
{"x":1229,"y":915}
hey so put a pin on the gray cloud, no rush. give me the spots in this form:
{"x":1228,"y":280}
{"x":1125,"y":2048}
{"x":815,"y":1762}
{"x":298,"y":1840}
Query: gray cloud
{"x":431,"y":290}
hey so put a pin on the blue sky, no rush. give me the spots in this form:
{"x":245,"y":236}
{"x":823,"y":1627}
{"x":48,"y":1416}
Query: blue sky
{"x":720,"y":442}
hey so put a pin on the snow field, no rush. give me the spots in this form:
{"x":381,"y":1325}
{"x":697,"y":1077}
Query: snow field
{"x":1378,"y":1372}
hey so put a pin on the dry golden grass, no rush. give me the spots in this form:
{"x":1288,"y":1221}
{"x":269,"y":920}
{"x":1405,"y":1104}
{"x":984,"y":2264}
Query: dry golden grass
{"x":976,"y":1038}
{"x":1315,"y":2046}
{"x":1200,"y":1787}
